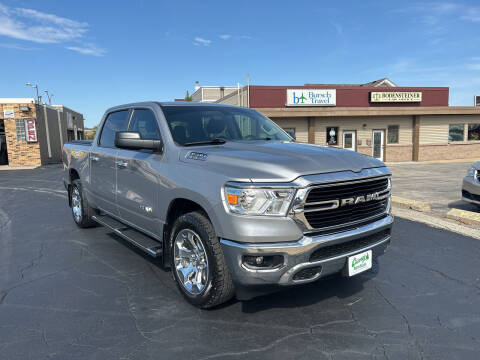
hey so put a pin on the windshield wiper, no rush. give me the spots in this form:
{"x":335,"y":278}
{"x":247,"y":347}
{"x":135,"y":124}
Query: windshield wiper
{"x":206,"y":142}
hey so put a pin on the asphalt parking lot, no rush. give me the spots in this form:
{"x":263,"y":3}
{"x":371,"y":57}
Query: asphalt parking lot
{"x":70,"y":293}
{"x":438,"y":183}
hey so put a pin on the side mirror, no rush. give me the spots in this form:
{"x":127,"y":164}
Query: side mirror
{"x":132,"y":140}
{"x":293,"y":136}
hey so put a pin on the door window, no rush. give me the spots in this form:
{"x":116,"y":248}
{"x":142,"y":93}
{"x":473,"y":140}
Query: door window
{"x":349,"y":140}
{"x":378,"y":144}
{"x":144,"y":122}
{"x":116,"y":121}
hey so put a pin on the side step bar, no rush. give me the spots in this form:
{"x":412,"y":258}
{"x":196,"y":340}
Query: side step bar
{"x":146,"y":243}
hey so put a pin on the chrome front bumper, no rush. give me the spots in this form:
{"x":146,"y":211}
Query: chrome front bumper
{"x":297,"y":255}
{"x":471,"y":190}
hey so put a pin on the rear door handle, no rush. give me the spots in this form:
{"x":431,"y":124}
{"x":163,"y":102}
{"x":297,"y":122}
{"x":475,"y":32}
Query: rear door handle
{"x":94,"y":158}
{"x":121,"y":163}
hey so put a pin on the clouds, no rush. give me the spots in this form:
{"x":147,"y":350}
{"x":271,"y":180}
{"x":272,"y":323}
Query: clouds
{"x":88,"y":49}
{"x":200,"y":41}
{"x":44,"y":28}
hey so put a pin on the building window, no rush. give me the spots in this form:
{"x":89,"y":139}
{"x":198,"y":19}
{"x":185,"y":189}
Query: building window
{"x":332,"y":135}
{"x":392,"y":135}
{"x":20,"y":126}
{"x":455,"y":132}
{"x":473,"y":131}
{"x":290,"y":131}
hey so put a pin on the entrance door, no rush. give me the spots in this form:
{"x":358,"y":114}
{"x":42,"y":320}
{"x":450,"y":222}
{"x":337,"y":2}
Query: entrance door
{"x":3,"y":145}
{"x":349,"y":140}
{"x":378,"y":144}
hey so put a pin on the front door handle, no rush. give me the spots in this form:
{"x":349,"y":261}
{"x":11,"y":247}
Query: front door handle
{"x":94,"y":158}
{"x":121,"y":163}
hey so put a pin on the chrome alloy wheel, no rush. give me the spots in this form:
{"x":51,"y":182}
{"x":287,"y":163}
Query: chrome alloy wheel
{"x":76,"y":204}
{"x":191,"y":262}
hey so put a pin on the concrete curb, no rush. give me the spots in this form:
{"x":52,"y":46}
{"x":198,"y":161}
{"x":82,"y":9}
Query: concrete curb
{"x":464,"y":216}
{"x":417,"y":205}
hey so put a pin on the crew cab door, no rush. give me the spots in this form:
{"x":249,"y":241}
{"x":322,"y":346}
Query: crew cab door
{"x":137,"y":180}
{"x":102,"y":162}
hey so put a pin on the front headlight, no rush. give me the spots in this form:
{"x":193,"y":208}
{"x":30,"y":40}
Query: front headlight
{"x":471,"y":171}
{"x":258,"y":201}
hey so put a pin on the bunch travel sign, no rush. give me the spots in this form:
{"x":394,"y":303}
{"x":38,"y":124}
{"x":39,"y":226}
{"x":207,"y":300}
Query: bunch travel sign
{"x":311,"y":97}
{"x":396,"y":96}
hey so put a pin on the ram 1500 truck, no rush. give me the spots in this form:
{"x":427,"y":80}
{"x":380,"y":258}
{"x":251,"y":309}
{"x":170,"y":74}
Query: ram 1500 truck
{"x":231,"y":202}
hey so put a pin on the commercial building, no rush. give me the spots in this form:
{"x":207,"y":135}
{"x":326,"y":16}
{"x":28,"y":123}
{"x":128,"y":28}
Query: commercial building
{"x":377,"y":119}
{"x":33,"y":134}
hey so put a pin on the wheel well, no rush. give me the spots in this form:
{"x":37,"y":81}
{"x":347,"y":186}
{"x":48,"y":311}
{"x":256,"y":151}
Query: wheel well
{"x":73,"y":176}
{"x":177,"y":208}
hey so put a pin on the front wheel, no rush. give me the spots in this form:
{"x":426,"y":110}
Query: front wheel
{"x":197,"y":262}
{"x":81,"y":211}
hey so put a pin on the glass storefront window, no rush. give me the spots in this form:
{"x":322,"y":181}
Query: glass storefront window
{"x":455,"y":132}
{"x":473,"y":131}
{"x":392,"y":136}
{"x":332,"y":135}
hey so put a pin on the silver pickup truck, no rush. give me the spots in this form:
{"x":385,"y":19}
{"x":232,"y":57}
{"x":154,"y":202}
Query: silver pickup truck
{"x":232,"y":203}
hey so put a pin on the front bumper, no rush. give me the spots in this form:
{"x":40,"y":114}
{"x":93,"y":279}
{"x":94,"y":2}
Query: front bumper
{"x":303,"y":254}
{"x":471,"y":190}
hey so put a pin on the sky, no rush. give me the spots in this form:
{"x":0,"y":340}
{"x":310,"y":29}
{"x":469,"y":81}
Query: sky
{"x":96,"y":54}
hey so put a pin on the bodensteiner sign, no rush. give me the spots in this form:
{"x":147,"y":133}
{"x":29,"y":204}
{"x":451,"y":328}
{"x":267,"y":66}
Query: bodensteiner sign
{"x":311,"y":97}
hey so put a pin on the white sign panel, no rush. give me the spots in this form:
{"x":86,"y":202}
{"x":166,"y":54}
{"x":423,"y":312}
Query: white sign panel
{"x":311,"y":97}
{"x":8,"y":112}
{"x":30,"y":130}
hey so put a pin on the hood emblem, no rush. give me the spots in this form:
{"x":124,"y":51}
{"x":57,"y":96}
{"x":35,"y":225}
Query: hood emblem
{"x":194,"y":155}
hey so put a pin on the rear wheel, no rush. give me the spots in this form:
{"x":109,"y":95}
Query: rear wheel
{"x":81,"y":211}
{"x":197,"y":262}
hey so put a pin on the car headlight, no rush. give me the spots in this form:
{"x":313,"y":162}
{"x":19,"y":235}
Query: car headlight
{"x":258,"y":201}
{"x":471,"y":171}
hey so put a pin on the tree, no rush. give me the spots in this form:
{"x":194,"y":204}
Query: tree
{"x":90,"y":135}
{"x":188,"y":97}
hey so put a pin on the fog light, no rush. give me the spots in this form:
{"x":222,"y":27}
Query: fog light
{"x":262,"y":262}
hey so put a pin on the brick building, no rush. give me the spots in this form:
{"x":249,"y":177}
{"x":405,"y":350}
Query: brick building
{"x":33,"y":134}
{"x":378,"y":118}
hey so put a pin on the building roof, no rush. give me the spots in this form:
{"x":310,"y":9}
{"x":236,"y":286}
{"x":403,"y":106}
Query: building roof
{"x":384,"y":82}
{"x":17,"y":100}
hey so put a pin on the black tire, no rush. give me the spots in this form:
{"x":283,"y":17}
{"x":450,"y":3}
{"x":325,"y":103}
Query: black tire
{"x":219,"y":285}
{"x":84,"y":218}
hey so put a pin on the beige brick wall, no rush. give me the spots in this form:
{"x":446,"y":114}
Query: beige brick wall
{"x":299,"y":124}
{"x":20,"y":153}
{"x":451,"y":151}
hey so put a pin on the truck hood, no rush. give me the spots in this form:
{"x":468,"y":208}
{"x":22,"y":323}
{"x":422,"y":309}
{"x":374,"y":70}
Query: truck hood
{"x":275,"y":161}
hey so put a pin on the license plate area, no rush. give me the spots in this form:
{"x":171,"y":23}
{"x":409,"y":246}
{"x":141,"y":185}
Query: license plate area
{"x":359,"y":263}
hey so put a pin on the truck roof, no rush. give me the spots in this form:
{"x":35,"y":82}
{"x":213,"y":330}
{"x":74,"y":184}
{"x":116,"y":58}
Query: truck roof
{"x":168,"y":103}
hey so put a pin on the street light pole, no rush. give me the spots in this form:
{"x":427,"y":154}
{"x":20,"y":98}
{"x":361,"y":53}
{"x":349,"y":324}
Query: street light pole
{"x":49,"y":97}
{"x":36,"y":89}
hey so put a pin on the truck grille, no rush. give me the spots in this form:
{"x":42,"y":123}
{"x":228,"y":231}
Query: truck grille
{"x":323,"y":207}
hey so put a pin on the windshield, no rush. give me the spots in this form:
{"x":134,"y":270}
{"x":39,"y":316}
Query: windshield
{"x":204,"y":123}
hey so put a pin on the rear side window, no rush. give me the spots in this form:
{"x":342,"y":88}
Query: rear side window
{"x":144,"y":122}
{"x":116,"y":121}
